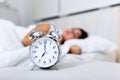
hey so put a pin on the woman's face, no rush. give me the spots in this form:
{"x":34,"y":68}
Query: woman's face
{"x":72,"y":33}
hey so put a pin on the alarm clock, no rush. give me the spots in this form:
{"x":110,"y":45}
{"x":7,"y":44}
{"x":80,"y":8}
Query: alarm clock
{"x":45,"y":51}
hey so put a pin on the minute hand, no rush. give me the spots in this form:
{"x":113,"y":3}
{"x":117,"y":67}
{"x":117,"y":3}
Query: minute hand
{"x":44,"y":47}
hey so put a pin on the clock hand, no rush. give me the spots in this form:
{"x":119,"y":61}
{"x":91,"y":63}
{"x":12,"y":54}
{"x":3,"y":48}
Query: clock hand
{"x":45,"y":47}
{"x":43,"y":54}
{"x":44,"y":50}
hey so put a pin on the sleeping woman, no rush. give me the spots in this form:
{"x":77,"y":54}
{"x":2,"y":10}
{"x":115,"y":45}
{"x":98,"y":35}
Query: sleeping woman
{"x":71,"y":33}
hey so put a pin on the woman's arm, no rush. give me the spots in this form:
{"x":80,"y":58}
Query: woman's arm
{"x":75,"y":50}
{"x":41,"y":27}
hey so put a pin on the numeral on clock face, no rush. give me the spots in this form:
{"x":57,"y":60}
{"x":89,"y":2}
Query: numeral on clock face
{"x":35,"y":57}
{"x":45,"y":42}
{"x":55,"y":52}
{"x":36,"y":47}
{"x":39,"y":60}
{"x":40,"y":42}
{"x":54,"y":57}
{"x":49,"y":60}
{"x":44,"y":62}
{"x":33,"y":51}
{"x":54,"y":47}
{"x":50,"y":43}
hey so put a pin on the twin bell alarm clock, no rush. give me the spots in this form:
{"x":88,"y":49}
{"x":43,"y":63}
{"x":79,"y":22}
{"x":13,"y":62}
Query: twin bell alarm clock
{"x":45,"y":51}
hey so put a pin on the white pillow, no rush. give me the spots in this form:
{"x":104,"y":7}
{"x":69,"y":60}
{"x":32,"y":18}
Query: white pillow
{"x":8,"y":38}
{"x":93,"y":44}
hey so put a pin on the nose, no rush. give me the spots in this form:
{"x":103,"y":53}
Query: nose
{"x":69,"y":30}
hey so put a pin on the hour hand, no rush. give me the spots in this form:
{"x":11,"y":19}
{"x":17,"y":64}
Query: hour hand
{"x":43,"y":54}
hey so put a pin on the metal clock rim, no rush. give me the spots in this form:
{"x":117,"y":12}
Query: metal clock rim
{"x":59,"y":49}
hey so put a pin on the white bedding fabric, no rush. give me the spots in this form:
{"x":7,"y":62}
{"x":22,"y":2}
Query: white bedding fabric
{"x":89,"y":70}
{"x":12,"y":52}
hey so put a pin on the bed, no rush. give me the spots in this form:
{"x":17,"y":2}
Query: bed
{"x":94,"y":70}
{"x":15,"y":61}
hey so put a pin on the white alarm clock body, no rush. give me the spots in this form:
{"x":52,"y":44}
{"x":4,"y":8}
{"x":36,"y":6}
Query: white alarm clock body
{"x":45,"y":52}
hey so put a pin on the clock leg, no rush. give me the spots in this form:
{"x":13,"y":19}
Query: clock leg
{"x":54,"y":68}
{"x":33,"y":68}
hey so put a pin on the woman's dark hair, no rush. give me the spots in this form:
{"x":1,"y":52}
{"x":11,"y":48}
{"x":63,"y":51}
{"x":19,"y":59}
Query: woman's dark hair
{"x":84,"y":34}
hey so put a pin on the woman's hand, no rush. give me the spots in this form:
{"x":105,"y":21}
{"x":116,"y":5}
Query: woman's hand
{"x":41,"y":27}
{"x":75,"y":49}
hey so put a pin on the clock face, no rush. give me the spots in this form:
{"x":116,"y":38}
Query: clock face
{"x":45,"y":52}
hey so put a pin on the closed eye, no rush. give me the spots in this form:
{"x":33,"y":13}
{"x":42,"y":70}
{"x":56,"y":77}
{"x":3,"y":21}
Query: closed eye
{"x":75,"y":34}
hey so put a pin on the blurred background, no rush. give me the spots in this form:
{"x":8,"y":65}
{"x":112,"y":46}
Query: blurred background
{"x":29,"y":11}
{"x":98,"y":17}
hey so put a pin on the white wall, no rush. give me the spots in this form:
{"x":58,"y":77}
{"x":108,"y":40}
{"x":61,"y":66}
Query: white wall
{"x":30,"y":10}
{"x":49,"y":8}
{"x":24,"y":8}
{"x":69,"y":6}
{"x":45,"y":8}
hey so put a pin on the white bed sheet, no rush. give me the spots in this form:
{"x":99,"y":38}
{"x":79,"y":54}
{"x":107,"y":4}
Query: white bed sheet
{"x":87,"y":70}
